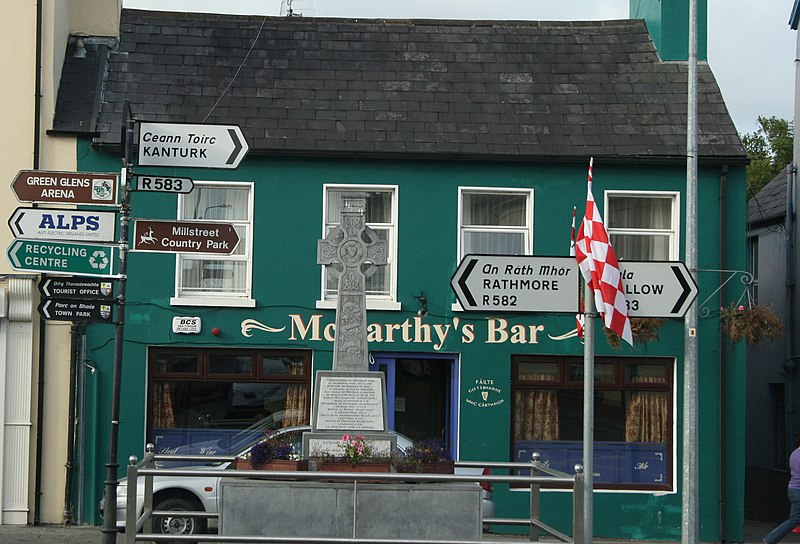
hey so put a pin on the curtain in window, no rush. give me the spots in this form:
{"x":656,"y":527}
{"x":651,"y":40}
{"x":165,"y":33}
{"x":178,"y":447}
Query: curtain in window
{"x":536,"y":411}
{"x":646,"y":415}
{"x":219,"y":274}
{"x":640,"y":213}
{"x":164,"y":405}
{"x":295,"y":404}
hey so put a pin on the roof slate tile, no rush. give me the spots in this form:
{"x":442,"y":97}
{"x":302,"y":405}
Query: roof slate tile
{"x":517,"y":89}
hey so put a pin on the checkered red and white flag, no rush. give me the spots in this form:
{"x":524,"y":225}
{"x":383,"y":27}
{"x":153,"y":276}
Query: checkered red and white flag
{"x":600,"y":268}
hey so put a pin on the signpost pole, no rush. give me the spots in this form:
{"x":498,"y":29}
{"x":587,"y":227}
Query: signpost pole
{"x":110,"y":514}
{"x":690,"y":481}
{"x":588,"y":415}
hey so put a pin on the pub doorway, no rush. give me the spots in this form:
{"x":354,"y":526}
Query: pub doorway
{"x":421,"y":394}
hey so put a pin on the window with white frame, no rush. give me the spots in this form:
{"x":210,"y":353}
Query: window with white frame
{"x":218,"y":280}
{"x":643,"y":225}
{"x":495,"y":221}
{"x":381,"y":217}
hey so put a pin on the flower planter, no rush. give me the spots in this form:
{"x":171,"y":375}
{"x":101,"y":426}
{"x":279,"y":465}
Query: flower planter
{"x":438,"y":467}
{"x":361,"y":466}
{"x":286,"y":465}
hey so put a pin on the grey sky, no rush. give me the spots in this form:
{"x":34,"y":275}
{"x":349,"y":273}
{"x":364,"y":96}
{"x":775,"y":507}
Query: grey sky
{"x":751,"y":47}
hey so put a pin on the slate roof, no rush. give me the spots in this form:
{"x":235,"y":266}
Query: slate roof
{"x":82,"y":78}
{"x":769,"y":205}
{"x":518,"y":90}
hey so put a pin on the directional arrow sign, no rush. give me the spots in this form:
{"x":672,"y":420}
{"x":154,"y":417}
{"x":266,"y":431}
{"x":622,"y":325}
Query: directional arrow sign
{"x":201,"y":146}
{"x":77,"y":288}
{"x":164,"y":184}
{"x":517,"y":283}
{"x":63,"y":258}
{"x":657,"y":289}
{"x":66,"y":187}
{"x":184,"y":237}
{"x":76,"y":310}
{"x":75,"y":225}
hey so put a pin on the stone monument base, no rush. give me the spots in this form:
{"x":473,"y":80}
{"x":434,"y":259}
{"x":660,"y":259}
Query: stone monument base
{"x":421,"y":511}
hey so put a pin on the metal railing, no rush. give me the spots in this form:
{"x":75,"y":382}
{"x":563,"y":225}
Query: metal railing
{"x":147,"y":470}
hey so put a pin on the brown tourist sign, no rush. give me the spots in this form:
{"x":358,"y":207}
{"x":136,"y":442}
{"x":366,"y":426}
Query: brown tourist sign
{"x":67,"y":187}
{"x":184,"y":237}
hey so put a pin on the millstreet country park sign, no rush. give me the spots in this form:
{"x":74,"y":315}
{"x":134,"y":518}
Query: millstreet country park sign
{"x":63,"y":258}
{"x":184,"y":237}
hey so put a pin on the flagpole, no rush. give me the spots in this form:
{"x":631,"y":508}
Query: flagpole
{"x":588,"y":416}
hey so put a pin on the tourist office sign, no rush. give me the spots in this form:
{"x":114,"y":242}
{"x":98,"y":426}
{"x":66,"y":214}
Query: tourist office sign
{"x":517,"y":283}
{"x":44,"y":186}
{"x":77,"y":288}
{"x":184,"y":237}
{"x":63,"y":258}
{"x":198,"y":146}
{"x":55,"y":224}
{"x":94,"y":311}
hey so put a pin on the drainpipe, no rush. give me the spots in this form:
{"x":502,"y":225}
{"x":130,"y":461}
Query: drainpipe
{"x":723,"y":501}
{"x":76,"y":331}
{"x":790,"y":363}
{"x":37,"y":113}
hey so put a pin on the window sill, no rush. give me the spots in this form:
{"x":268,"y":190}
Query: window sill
{"x":233,"y":302}
{"x":389,"y":305}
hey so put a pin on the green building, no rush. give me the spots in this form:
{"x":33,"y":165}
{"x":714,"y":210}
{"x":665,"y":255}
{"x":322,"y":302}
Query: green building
{"x":468,"y":137}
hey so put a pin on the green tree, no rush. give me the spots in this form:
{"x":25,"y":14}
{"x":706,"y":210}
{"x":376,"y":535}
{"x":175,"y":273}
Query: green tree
{"x":769,"y":149}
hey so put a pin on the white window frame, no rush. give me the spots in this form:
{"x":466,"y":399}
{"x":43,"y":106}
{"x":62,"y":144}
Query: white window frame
{"x":456,"y":306}
{"x":674,"y":233}
{"x":220,"y":299}
{"x":374,"y":302}
{"x":528,"y":230}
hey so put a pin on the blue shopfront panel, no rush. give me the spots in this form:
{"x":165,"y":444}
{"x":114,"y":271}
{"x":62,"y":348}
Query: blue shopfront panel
{"x":614,"y":462}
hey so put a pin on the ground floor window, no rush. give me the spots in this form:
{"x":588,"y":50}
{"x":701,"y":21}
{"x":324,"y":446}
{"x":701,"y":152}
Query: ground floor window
{"x":219,"y":401}
{"x":633,"y":428}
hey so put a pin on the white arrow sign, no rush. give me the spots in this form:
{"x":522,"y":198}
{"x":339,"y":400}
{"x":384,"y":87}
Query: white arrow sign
{"x":55,"y":224}
{"x":200,"y":146}
{"x":517,"y":283}
{"x":657,"y":289}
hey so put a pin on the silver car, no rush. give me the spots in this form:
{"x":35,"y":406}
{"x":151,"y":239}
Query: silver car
{"x":200,"y":493}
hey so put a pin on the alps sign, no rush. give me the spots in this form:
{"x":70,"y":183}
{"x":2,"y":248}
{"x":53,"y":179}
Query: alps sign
{"x":75,"y":225}
{"x":199,"y":146}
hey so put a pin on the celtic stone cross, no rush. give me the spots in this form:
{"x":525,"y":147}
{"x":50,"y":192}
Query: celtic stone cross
{"x":353,"y":252}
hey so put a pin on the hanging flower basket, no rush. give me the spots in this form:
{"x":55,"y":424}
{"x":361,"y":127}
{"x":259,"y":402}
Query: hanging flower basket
{"x":643,"y":329}
{"x":751,"y":324}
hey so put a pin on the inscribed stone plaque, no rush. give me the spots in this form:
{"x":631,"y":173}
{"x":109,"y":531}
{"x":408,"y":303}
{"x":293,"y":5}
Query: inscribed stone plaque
{"x":349,"y":401}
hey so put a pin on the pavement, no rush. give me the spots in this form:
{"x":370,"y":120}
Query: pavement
{"x":82,"y":534}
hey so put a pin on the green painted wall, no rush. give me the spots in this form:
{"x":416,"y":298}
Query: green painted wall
{"x":286,"y":282}
{"x":668,"y":24}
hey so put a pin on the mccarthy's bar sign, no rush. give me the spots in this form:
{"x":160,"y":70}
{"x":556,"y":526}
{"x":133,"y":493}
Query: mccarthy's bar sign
{"x":201,"y":146}
{"x":184,"y":237}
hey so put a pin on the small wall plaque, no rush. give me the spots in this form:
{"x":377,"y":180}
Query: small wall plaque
{"x":186,"y":325}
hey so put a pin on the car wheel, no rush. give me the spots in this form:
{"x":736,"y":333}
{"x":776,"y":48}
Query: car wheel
{"x":177,"y":524}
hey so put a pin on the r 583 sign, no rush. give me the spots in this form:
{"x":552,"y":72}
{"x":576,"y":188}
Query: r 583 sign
{"x":161,"y":184}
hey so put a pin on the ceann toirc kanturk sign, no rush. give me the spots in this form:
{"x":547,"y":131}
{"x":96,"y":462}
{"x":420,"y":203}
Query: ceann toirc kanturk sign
{"x":198,"y":146}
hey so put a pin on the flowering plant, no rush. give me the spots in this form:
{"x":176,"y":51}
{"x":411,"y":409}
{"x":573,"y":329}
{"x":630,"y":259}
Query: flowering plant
{"x":355,"y":448}
{"x":750,"y":324}
{"x":423,"y":452}
{"x":269,"y":449}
